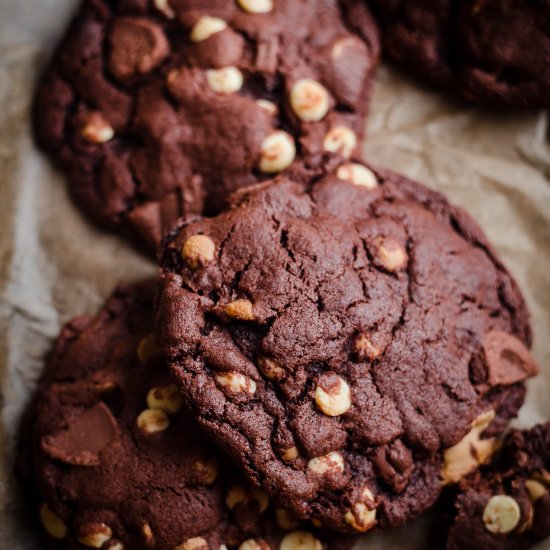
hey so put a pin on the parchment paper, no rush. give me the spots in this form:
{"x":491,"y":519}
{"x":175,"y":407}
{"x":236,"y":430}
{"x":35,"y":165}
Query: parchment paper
{"x":54,"y":265}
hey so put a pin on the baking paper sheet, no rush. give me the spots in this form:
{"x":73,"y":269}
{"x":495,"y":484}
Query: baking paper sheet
{"x":54,"y":265}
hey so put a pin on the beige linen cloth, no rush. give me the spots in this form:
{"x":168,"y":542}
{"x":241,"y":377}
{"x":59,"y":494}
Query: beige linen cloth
{"x":54,"y":265}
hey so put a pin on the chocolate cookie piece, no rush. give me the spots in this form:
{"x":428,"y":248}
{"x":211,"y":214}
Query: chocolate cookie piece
{"x":492,"y":51}
{"x":505,"y":505}
{"x":158,"y":109}
{"x":116,"y":462}
{"x":352,"y":344}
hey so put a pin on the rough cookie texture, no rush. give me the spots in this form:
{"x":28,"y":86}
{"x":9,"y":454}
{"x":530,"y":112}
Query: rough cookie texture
{"x":341,"y":336}
{"x":505,"y":505}
{"x":112,"y":459}
{"x":147,"y":104}
{"x":493,"y":51}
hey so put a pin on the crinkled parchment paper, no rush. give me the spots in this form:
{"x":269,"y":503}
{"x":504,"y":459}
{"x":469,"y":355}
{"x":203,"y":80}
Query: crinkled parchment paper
{"x":54,"y":265}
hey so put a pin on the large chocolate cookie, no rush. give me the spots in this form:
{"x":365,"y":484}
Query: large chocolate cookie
{"x":506,"y":505}
{"x":336,"y":338}
{"x":493,"y":51}
{"x":119,"y":464}
{"x":158,"y":109}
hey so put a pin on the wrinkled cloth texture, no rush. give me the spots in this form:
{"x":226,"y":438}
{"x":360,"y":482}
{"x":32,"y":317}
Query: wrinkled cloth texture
{"x":54,"y":265}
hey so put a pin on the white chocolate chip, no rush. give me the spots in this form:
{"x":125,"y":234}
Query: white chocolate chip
{"x":268,"y":106}
{"x":527,"y":520}
{"x":254,"y":544}
{"x":364,"y":348}
{"x":238,"y":494}
{"x":535,"y":489}
{"x":256,"y":6}
{"x":164,"y":7}
{"x":261,"y":497}
{"x":358,"y":175}
{"x":270,"y":369}
{"x":196,"y":543}
{"x":95,"y":536}
{"x":116,"y":546}
{"x":225,"y":81}
{"x":278,"y":152}
{"x":300,"y":540}
{"x":309,"y":100}
{"x":285,"y":520}
{"x":198,"y":250}
{"x":362,"y":516}
{"x":316,"y":522}
{"x":166,"y":398}
{"x":148,"y":348}
{"x":148,"y":535}
{"x":335,"y":398}
{"x":340,"y":140}
{"x":323,"y":465}
{"x":235,"y":382}
{"x":208,"y":471}
{"x":52,"y":523}
{"x":173,"y":75}
{"x":151,"y":421}
{"x":104,"y":386}
{"x":339,"y":47}
{"x":241,"y":309}
{"x":470,"y":451}
{"x":501,"y":515}
{"x":291,"y":454}
{"x":392,"y":255}
{"x":97,"y":129}
{"x":206,"y":26}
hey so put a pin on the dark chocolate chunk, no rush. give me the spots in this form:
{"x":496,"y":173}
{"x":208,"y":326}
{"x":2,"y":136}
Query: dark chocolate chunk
{"x":137,"y":46}
{"x":86,"y":436}
{"x":508,"y":359}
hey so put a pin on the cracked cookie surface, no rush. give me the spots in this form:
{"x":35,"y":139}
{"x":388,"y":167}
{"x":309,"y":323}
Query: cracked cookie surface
{"x":505,"y":505}
{"x":492,"y":51}
{"x":116,"y":460}
{"x":146,"y":104}
{"x":335,"y":338}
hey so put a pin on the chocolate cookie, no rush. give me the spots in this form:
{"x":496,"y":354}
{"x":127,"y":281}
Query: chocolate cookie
{"x":118,"y":463}
{"x":492,"y":51}
{"x":158,"y":109}
{"x":506,"y":505}
{"x":336,"y":338}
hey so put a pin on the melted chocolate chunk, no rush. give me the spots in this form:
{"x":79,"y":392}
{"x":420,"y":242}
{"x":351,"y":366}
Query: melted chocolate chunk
{"x":87,"y":435}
